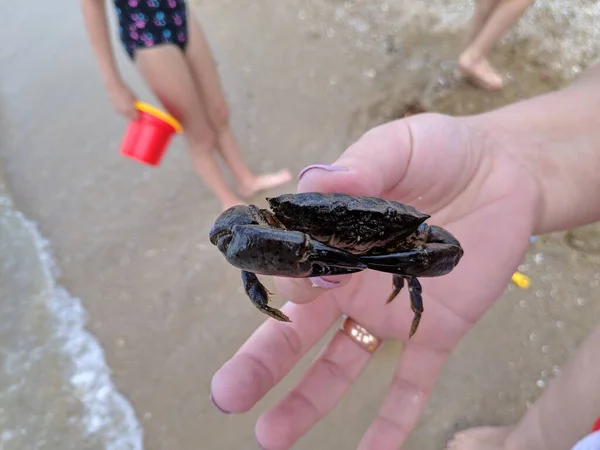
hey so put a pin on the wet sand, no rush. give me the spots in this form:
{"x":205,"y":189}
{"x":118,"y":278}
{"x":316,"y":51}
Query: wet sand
{"x":303,"y":80}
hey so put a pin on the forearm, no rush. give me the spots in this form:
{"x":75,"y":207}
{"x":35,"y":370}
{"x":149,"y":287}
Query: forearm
{"x":557,"y":137}
{"x":96,"y":24}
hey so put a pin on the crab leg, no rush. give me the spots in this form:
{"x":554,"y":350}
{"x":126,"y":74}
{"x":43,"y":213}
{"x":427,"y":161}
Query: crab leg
{"x":398,"y":282}
{"x":259,"y":295}
{"x":416,"y":300}
{"x":416,"y":303}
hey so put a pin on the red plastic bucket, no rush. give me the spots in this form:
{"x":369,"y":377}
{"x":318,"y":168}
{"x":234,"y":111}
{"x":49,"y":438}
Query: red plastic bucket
{"x":148,"y":136}
{"x":596,"y":426}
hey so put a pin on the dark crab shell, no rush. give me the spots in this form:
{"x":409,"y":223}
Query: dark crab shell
{"x":356,"y":224}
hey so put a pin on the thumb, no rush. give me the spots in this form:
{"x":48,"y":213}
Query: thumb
{"x":424,"y":160}
{"x":372,"y":166}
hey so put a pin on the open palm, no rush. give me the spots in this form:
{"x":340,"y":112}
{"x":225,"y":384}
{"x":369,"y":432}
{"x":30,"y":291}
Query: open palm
{"x":444,"y":167}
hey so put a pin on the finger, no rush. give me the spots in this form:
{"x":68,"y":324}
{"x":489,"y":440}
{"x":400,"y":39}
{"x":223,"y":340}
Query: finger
{"x":421,"y":160}
{"x":371,"y":166}
{"x":413,"y":381}
{"x":317,"y":393}
{"x":304,"y":290}
{"x":269,"y":354}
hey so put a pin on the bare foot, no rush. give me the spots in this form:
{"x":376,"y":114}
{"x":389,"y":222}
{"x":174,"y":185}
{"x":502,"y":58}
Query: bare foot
{"x":264,"y":182}
{"x":481,"y":438}
{"x":481,"y":72}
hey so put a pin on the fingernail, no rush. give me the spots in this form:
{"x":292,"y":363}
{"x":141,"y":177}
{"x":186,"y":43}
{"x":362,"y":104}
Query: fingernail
{"x":323,"y":167}
{"x":212,"y":400}
{"x":260,"y":446}
{"x":323,"y":283}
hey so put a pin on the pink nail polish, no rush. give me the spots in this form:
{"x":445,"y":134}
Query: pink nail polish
{"x":322,"y":283}
{"x":212,"y":400}
{"x":323,"y":167}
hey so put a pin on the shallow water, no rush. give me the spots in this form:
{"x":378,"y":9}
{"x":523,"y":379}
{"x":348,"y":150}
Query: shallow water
{"x":55,"y":386}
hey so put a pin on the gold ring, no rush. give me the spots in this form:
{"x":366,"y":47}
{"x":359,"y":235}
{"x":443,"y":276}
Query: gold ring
{"x":360,"y":335}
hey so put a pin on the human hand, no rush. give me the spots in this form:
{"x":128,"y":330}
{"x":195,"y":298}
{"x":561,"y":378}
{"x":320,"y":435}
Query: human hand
{"x":123,"y":100}
{"x":451,"y":168}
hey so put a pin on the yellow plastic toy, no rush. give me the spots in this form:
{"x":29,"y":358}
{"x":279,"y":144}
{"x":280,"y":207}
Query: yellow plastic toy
{"x":521,"y":280}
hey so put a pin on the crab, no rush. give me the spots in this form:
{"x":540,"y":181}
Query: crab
{"x":315,"y":234}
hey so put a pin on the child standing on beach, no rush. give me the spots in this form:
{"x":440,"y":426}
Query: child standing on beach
{"x":168,"y":48}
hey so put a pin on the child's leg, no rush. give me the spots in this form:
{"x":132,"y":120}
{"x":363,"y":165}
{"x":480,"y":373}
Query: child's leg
{"x":168,"y":75}
{"x":205,"y":72}
{"x":483,"y":9}
{"x":473,"y":60}
{"x":563,"y":415}
{"x":503,"y":17}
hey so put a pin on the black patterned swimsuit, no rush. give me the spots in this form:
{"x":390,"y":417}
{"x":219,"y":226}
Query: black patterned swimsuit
{"x":147,"y":23}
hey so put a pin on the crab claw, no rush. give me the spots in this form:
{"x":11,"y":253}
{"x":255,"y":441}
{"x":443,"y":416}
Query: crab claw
{"x":332,"y":257}
{"x":284,"y":253}
{"x":236,"y":215}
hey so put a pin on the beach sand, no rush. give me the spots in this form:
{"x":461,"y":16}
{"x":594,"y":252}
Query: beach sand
{"x":304,"y":79}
